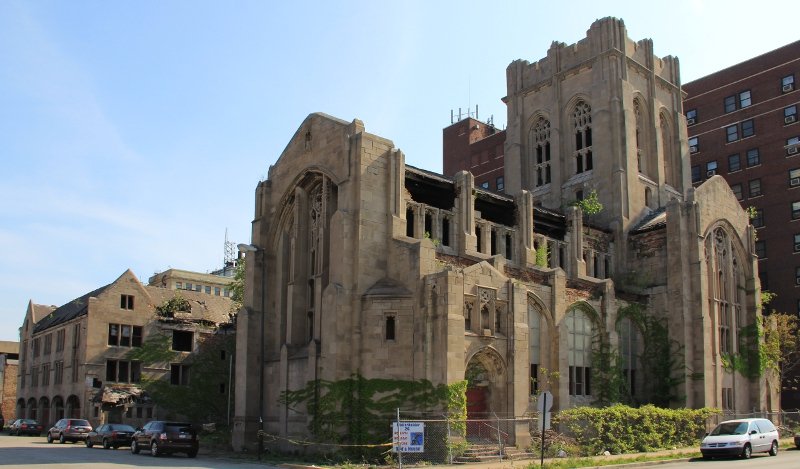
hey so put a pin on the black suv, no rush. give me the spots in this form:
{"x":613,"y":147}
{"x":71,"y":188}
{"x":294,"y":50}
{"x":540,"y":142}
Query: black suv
{"x":162,"y":437}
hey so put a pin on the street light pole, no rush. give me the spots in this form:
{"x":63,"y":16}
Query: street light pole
{"x":255,"y":249}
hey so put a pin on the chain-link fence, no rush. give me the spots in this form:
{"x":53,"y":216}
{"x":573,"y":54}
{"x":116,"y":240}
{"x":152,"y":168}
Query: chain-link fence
{"x":490,"y":438}
{"x":480,"y":438}
{"x":433,"y":438}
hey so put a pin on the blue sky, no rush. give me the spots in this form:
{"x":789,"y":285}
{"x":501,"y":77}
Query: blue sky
{"x":133,"y":134}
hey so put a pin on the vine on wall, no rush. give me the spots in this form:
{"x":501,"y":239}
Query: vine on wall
{"x":661,"y":359}
{"x":751,"y":359}
{"x":357,"y":410}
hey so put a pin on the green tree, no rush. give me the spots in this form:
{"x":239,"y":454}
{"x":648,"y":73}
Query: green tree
{"x":205,"y":398}
{"x":590,"y":205}
{"x":237,"y":287}
{"x":782,"y":348}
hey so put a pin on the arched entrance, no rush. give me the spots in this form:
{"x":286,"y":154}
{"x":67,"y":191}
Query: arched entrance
{"x":73,"y":407}
{"x":486,"y":390}
{"x":58,"y":408}
{"x":32,"y":409}
{"x":44,"y":418}
{"x":20,"y":408}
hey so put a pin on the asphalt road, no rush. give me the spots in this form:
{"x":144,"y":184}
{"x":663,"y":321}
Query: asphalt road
{"x":29,"y":452}
{"x":787,"y":458}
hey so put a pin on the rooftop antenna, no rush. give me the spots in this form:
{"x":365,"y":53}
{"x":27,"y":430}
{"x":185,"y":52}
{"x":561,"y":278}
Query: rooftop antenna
{"x":230,"y":250}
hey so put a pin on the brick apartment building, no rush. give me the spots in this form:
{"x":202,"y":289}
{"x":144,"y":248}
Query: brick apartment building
{"x":743,"y":125}
{"x":483,"y":144}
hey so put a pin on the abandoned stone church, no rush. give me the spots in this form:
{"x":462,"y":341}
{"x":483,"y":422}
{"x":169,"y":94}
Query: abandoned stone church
{"x":365,"y":265}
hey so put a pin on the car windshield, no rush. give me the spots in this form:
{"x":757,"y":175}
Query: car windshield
{"x":730,"y":428}
{"x":84,"y":423}
{"x":121,"y":428}
{"x":28,"y":421}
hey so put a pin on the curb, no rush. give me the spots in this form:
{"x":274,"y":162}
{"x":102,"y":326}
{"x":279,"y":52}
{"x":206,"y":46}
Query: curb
{"x":641,"y":464}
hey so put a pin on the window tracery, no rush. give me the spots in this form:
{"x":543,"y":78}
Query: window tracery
{"x":582,"y":121}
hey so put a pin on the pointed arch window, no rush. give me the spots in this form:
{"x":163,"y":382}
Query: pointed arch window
{"x":727,"y":289}
{"x":534,"y":341}
{"x":582,"y":121}
{"x":316,"y":226}
{"x":629,"y":340}
{"x":637,"y":110}
{"x":671,"y":169}
{"x":541,"y":149}
{"x":580,"y":332}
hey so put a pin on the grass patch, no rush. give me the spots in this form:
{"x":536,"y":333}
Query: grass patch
{"x":608,"y":461}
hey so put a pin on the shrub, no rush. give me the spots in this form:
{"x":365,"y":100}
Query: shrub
{"x":622,"y":429}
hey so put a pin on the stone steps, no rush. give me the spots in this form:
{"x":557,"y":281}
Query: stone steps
{"x":477,"y":453}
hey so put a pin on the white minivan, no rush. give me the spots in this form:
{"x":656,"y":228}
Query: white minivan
{"x":741,"y":438}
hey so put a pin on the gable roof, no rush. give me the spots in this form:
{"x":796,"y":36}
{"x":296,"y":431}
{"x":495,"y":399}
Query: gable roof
{"x":387,"y":287}
{"x":39,"y":311}
{"x":75,"y":308}
{"x":654,"y":221}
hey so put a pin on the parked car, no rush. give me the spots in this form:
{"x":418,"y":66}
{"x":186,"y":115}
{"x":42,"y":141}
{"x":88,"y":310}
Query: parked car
{"x":162,"y":437}
{"x":69,"y":430}
{"x":25,"y":427}
{"x":110,"y":435}
{"x":741,"y":438}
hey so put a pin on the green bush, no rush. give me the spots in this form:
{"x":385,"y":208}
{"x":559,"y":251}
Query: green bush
{"x":622,"y":429}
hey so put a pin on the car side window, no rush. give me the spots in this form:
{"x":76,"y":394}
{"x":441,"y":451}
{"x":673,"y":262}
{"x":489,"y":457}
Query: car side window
{"x":754,"y":426}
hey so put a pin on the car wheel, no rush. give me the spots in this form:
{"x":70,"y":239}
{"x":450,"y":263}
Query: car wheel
{"x":61,"y":439}
{"x":106,"y":444}
{"x":115,"y":446}
{"x":192,"y":453}
{"x":707,"y":457}
{"x":747,"y":451}
{"x":134,"y":447}
{"x":89,"y":443}
{"x":773,"y":450}
{"x":49,"y":437}
{"x":154,"y":449}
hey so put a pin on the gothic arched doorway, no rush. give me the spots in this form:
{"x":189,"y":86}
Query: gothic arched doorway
{"x":486,"y":387}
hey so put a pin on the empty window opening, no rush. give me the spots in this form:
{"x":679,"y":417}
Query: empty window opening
{"x":390,"y":328}
{"x":445,"y":232}
{"x":179,"y":374}
{"x":410,"y":222}
{"x":428,"y":224}
{"x":126,"y":302}
{"x":182,"y":341}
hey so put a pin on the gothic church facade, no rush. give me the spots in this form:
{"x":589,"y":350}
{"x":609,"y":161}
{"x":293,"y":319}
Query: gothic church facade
{"x":365,"y":265}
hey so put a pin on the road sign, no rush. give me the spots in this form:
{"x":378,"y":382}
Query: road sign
{"x":543,"y":405}
{"x":408,"y":437}
{"x":545,"y":401}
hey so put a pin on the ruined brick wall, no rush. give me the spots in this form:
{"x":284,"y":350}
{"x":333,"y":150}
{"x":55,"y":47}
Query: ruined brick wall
{"x":9,"y":374}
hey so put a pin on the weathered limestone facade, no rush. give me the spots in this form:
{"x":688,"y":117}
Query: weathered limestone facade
{"x":74,"y":359}
{"x":366,"y":265}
